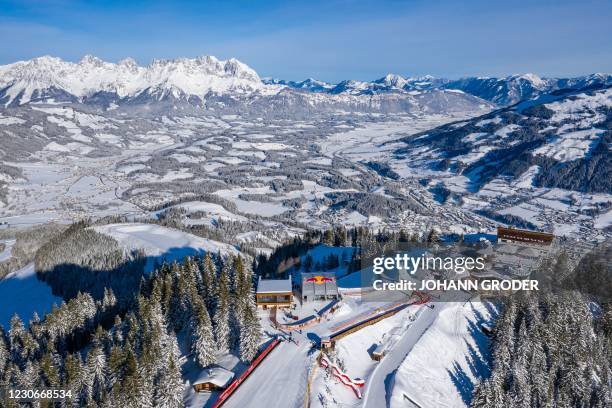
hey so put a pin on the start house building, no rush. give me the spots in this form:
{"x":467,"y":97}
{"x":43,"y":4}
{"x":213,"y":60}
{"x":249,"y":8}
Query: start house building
{"x":274,"y":293}
{"x":319,"y":286}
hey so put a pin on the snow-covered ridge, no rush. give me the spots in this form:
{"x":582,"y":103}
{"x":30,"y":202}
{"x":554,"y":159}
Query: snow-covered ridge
{"x":24,"y":79}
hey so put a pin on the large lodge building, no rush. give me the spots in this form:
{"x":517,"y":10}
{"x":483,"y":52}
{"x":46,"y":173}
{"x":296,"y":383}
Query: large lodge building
{"x":520,"y":236}
{"x":516,"y":254}
{"x":274,"y":293}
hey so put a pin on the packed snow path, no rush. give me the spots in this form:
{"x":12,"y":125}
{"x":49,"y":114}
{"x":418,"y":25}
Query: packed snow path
{"x":280,"y":380}
{"x":378,"y":392}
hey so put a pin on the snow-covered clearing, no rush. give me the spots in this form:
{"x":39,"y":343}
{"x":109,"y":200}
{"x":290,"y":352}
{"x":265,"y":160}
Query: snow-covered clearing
{"x":214,"y":211}
{"x":8,"y":248}
{"x":525,"y":211}
{"x":570,"y":146}
{"x":526,"y":179}
{"x":604,"y":220}
{"x":265,"y":209}
{"x":10,"y":120}
{"x":162,"y":244}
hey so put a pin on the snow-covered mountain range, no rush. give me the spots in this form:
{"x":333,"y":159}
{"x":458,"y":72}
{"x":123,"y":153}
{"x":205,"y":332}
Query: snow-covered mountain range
{"x":205,"y":78}
{"x":25,"y":81}
{"x":229,"y":87}
{"x":501,"y":91}
{"x":223,"y":86}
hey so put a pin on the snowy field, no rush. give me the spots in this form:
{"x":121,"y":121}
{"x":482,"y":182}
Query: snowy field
{"x":162,"y":244}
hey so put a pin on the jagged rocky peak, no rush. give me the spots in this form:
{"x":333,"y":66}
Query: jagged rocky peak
{"x":197,"y":76}
{"x":91,"y":60}
{"x":129,"y":64}
{"x":205,"y":65}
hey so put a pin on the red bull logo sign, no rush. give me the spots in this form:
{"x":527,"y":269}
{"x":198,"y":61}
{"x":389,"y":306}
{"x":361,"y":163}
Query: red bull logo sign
{"x":319,"y":280}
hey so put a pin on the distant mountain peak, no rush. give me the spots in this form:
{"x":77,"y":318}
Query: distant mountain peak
{"x":532,"y":78}
{"x":392,"y":80}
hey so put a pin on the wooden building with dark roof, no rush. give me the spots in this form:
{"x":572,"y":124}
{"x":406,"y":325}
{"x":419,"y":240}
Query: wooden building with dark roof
{"x":521,"y":236}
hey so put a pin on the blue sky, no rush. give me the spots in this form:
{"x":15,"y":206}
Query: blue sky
{"x":326,"y":39}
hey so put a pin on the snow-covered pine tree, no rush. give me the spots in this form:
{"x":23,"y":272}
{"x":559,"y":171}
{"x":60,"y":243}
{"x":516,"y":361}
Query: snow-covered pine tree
{"x":237,"y":269}
{"x":221,"y":318}
{"x":179,"y":304}
{"x":203,"y":341}
{"x":250,"y":332}
{"x":209,"y":282}
{"x":15,"y":335}
{"x":167,"y":292}
{"x":145,"y":391}
{"x":30,"y":375}
{"x":96,"y":368}
{"x":72,"y":373}
{"x":482,"y":395}
{"x":49,"y":372}
{"x":117,"y":330}
{"x":169,"y":390}
{"x":137,"y":387}
{"x":235,"y":323}
{"x":433,"y":237}
{"x":130,"y":370}
{"x":35,"y":319}
{"x":193,"y":273}
{"x":109,"y":301}
{"x":4,"y":352}
{"x":116,"y":366}
{"x":328,"y":237}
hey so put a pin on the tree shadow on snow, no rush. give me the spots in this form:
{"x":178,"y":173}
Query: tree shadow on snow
{"x":478,"y":358}
{"x":68,"y":279}
{"x":463,"y":383}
